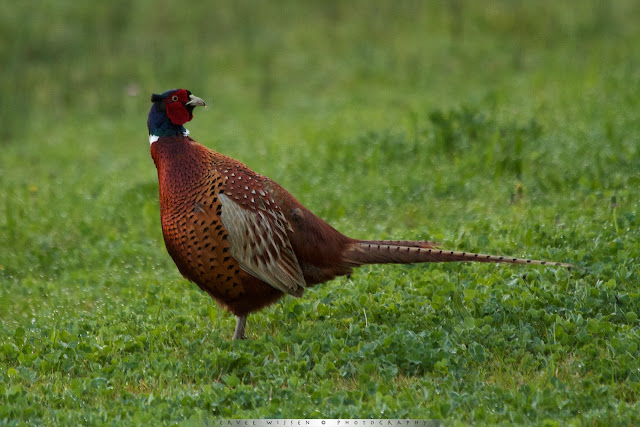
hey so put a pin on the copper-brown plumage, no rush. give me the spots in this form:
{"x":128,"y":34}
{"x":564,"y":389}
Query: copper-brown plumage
{"x":245,"y":240}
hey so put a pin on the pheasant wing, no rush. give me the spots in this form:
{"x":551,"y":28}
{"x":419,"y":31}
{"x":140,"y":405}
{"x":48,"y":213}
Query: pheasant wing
{"x":260,"y":244}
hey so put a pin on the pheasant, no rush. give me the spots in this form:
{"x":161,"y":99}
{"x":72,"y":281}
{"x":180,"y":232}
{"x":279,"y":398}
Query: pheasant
{"x":244,"y":239}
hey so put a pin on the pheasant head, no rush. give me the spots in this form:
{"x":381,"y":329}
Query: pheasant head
{"x":170,"y":111}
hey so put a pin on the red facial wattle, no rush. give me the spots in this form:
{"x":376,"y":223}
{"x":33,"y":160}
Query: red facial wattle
{"x":176,"y":109}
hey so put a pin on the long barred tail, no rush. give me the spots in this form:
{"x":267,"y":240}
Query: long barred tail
{"x":408,"y":252}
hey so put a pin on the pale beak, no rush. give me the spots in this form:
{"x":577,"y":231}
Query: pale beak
{"x":195,"y":101}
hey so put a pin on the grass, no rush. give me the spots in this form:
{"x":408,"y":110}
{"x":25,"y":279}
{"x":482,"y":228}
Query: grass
{"x":502,"y":127}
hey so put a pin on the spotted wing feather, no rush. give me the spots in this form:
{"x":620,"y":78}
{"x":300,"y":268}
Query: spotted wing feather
{"x":260,"y":244}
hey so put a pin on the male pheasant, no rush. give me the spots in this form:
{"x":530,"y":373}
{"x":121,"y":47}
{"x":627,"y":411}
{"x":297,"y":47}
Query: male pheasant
{"x":244,"y":239}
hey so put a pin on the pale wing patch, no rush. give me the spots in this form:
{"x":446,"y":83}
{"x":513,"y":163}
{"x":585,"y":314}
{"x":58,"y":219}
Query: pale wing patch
{"x":260,"y":244}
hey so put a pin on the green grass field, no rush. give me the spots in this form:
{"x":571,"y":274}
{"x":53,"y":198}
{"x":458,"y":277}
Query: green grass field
{"x":505,"y":127}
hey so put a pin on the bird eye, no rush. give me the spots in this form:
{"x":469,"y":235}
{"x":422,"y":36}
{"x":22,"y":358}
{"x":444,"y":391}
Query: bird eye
{"x":174,"y":98}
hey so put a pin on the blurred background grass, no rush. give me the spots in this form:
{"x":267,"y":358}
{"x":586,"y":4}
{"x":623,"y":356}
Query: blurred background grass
{"x":500,"y":126}
{"x":100,"y":61}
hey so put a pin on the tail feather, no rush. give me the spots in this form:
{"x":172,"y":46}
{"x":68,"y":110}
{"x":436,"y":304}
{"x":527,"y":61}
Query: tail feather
{"x":408,"y":252}
{"x":411,"y":243}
